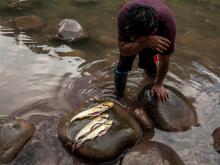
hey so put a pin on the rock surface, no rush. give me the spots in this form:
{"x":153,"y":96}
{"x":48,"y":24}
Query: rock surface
{"x":14,"y":134}
{"x":20,"y":4}
{"x":216,"y":137}
{"x":152,"y":153}
{"x":124,"y":133}
{"x":144,"y":120}
{"x":70,"y":30}
{"x":178,"y":114}
{"x":29,"y":23}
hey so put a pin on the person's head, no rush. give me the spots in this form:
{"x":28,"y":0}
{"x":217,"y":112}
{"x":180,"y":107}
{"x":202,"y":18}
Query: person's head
{"x":141,"y":21}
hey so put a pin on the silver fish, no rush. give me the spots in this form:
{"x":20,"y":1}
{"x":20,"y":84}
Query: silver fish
{"x":94,"y":111}
{"x":94,"y":123}
{"x":98,"y":132}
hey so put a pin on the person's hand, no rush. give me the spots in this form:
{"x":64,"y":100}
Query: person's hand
{"x":158,"y":43}
{"x":161,"y":93}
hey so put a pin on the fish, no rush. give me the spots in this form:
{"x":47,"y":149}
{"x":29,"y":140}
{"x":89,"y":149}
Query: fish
{"x":97,"y":132}
{"x":94,"y":123}
{"x":94,"y":111}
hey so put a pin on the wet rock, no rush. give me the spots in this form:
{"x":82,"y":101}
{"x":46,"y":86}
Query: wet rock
{"x":152,"y":153}
{"x":26,"y":4}
{"x":216,"y":137}
{"x":70,"y":30}
{"x":19,"y":5}
{"x":14,"y":134}
{"x":124,"y":133}
{"x":29,"y":23}
{"x":178,"y":114}
{"x":144,"y":120}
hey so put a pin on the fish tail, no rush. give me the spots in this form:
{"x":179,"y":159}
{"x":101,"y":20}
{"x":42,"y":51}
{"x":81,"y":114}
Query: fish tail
{"x":79,"y":144}
{"x":102,"y":132}
{"x":73,"y":146}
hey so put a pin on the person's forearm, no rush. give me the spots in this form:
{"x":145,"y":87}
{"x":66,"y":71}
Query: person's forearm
{"x":162,"y":69}
{"x":131,"y":48}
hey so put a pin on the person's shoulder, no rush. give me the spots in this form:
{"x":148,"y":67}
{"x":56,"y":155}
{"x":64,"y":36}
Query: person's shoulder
{"x":166,"y":14}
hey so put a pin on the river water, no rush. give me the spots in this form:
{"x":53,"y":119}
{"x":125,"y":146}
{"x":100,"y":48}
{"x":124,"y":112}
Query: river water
{"x":39,"y":85}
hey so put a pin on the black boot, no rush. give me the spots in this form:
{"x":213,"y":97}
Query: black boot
{"x":120,"y":82}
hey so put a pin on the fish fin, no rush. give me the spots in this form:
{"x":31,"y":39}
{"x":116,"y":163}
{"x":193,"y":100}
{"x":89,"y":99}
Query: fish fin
{"x":103,"y":132}
{"x":105,"y":117}
{"x":74,"y":146}
{"x":79,"y":144}
{"x":94,"y":114}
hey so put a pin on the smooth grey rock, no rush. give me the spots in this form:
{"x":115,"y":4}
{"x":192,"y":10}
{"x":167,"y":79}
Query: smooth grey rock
{"x":178,"y":114}
{"x":70,"y":30}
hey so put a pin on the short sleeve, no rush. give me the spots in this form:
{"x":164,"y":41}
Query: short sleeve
{"x":168,"y":28}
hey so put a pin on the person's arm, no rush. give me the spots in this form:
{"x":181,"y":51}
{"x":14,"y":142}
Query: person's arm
{"x":158,"y":89}
{"x":155,"y":42}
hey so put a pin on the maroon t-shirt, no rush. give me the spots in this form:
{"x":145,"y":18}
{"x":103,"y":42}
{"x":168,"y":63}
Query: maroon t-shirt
{"x":167,"y":23}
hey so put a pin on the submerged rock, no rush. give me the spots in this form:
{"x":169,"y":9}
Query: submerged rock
{"x":124,"y":133}
{"x":26,"y":4}
{"x":29,"y":23}
{"x":178,"y":114}
{"x":14,"y":134}
{"x":70,"y":30}
{"x":216,"y":137}
{"x":20,"y":4}
{"x":152,"y":153}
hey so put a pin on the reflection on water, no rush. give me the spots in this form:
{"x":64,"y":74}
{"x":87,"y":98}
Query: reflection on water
{"x":39,"y":84}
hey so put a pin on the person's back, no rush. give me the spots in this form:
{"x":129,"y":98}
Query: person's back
{"x":146,"y":28}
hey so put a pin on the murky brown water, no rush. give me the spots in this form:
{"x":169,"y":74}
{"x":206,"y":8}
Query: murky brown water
{"x":41,"y":86}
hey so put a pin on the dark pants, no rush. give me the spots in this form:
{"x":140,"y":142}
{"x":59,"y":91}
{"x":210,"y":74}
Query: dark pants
{"x":146,"y":62}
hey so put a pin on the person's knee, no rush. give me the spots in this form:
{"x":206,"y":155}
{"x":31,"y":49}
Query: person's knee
{"x":124,"y":66}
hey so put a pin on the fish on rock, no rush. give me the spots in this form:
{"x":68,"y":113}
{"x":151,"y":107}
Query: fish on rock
{"x":94,"y":123}
{"x":97,"y":132}
{"x":94,"y":111}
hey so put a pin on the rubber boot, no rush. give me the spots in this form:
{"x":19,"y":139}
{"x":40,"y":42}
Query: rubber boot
{"x":120,"y":82}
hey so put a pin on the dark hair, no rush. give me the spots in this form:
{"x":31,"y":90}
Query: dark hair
{"x":141,"y":20}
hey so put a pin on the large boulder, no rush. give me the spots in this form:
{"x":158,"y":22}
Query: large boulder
{"x":216,"y":138}
{"x":14,"y":134}
{"x":29,"y":23}
{"x":178,"y":114}
{"x":152,"y":153}
{"x":124,"y":133}
{"x":70,"y":30}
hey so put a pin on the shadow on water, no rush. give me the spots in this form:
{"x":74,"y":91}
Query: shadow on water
{"x":40,"y":85}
